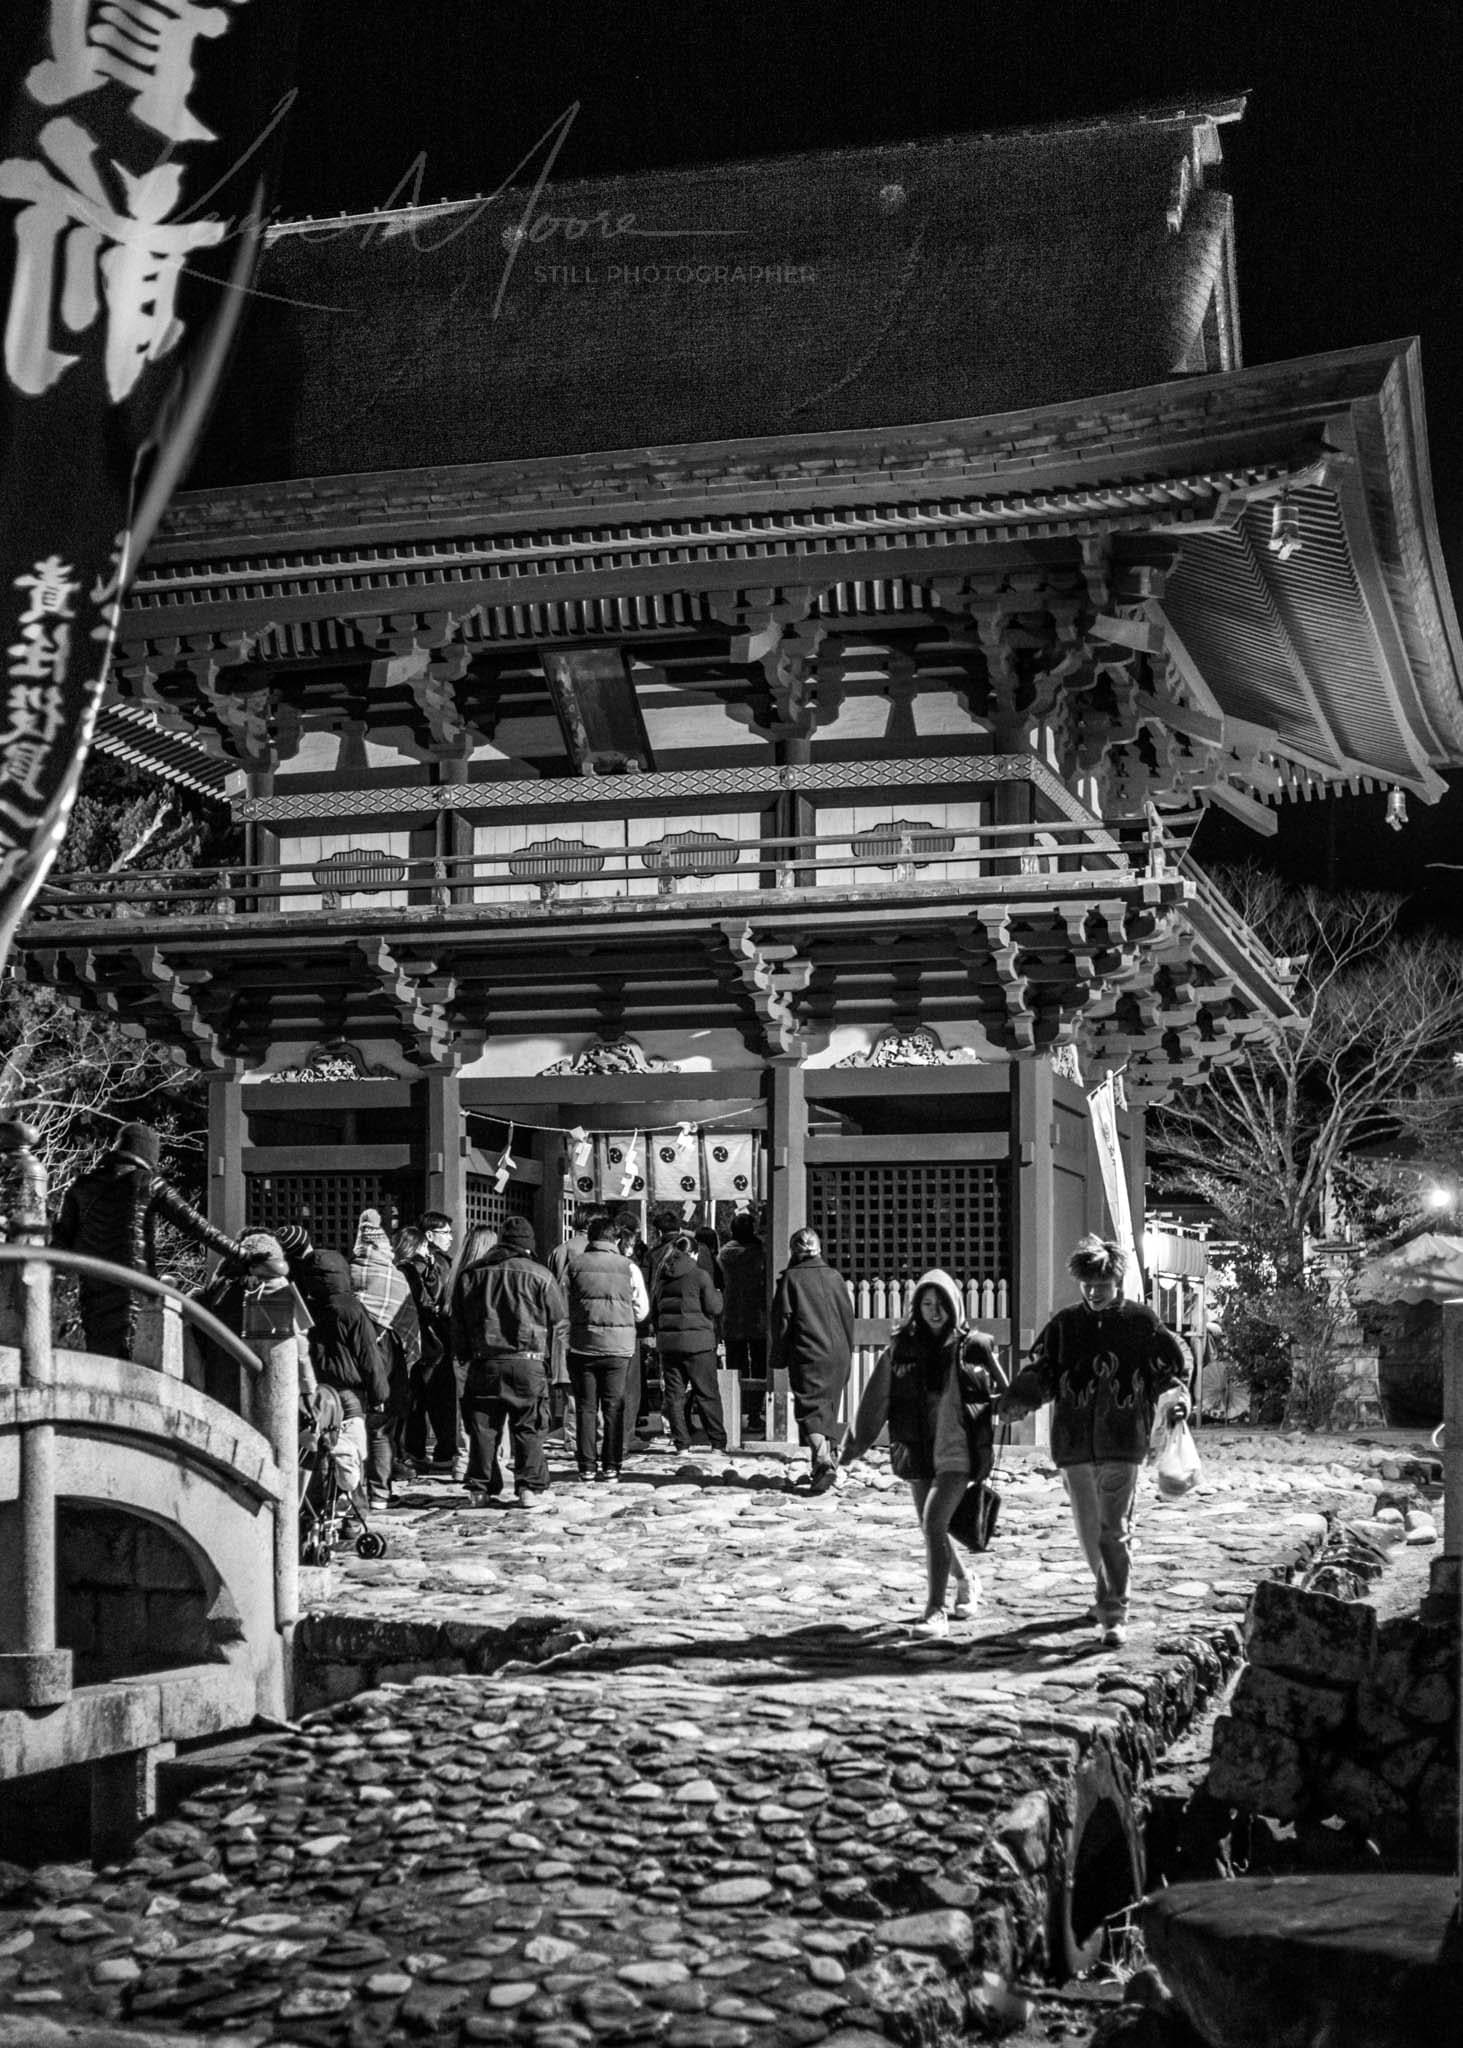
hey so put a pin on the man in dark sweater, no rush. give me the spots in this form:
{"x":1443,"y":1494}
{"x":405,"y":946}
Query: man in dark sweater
{"x":1108,"y":1366}
{"x":812,"y":1342}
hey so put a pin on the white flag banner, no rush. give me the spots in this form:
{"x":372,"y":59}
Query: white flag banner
{"x":729,"y":1167}
{"x":581,"y":1178}
{"x":1102,"y":1103}
{"x":621,"y":1166}
{"x":675,"y":1165}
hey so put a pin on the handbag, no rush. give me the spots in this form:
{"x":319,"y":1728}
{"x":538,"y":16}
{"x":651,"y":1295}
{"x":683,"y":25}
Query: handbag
{"x":974,"y":1520}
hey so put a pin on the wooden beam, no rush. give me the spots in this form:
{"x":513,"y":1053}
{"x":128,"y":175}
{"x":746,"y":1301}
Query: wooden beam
{"x":906,"y":1146}
{"x":1257,"y":816}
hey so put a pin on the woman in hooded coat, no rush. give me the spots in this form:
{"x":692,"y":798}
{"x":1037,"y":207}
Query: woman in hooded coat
{"x":935,"y":1385}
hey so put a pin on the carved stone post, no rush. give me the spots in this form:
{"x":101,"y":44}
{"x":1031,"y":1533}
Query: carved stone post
{"x":271,"y":1331}
{"x":33,"y":1672}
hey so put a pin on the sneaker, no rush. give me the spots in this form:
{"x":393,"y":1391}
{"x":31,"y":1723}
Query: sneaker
{"x":965,"y":1601}
{"x":1114,"y":1636}
{"x":378,"y":1502}
{"x":608,"y":1478}
{"x":937,"y":1624}
{"x":459,"y":1470}
{"x":824,"y":1479}
{"x":533,"y":1503}
{"x":585,"y":1478}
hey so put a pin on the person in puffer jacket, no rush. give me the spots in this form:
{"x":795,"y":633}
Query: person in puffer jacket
{"x":607,"y":1303}
{"x":684,"y":1306}
{"x":507,"y":1310}
{"x":1108,"y":1366}
{"x":934,"y":1384}
{"x":386,"y":1296}
{"x":342,"y":1343}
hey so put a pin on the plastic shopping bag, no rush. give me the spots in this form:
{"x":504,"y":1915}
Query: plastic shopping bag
{"x":1178,"y":1462}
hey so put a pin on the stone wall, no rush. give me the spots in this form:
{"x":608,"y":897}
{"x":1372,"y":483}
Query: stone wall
{"x":130,"y":1598}
{"x":1338,"y":1715}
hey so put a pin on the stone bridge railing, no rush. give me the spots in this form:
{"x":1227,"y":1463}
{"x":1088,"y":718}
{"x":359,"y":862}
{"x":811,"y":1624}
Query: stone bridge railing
{"x":131,"y":1464}
{"x":47,"y":1392}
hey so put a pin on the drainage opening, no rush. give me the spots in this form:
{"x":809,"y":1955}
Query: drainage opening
{"x":1104,"y":1864}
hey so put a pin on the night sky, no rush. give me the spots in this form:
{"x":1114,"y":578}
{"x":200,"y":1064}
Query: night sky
{"x":1346,"y":172}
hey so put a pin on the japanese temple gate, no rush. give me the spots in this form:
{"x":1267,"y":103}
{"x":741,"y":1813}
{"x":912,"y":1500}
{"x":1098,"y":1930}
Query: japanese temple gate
{"x":767,"y":716}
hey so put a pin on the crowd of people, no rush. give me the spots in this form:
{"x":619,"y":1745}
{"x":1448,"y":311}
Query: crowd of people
{"x":473,"y":1365}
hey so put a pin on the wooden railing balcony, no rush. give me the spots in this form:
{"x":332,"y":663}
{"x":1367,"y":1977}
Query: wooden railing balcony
{"x":1048,"y":858}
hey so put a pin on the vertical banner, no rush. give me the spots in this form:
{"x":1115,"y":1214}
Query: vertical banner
{"x":621,"y":1166}
{"x":1102,"y":1104}
{"x":729,"y":1168}
{"x":581,"y":1180}
{"x":675,"y":1165}
{"x":121,"y":122}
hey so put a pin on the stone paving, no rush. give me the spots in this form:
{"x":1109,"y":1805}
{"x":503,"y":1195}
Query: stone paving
{"x":664,"y":1764}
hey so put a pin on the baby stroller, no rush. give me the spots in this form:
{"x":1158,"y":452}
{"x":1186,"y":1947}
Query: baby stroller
{"x":328,"y":1511}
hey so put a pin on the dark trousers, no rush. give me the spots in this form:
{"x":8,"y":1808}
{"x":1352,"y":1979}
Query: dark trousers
{"x":508,"y":1394}
{"x":634,"y":1392}
{"x":747,"y":1358}
{"x":690,"y":1382}
{"x":599,"y":1393}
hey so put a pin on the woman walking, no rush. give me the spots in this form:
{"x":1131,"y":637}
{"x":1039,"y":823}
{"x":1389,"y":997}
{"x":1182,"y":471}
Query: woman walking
{"x":935,"y":1385}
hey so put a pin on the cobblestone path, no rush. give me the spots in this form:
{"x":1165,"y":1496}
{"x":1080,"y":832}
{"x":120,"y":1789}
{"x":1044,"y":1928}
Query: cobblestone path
{"x":718,"y":1797}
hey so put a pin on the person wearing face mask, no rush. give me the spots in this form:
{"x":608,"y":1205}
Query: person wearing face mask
{"x":935,"y":1385}
{"x":1109,"y":1367}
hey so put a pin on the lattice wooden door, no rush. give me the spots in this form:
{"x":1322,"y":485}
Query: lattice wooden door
{"x":486,"y":1208}
{"x":896,"y":1222}
{"x":328,"y":1204}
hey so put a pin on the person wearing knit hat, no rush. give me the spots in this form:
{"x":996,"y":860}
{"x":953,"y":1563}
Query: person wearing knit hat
{"x":935,"y":1385}
{"x":112,"y":1213}
{"x":507,"y":1311}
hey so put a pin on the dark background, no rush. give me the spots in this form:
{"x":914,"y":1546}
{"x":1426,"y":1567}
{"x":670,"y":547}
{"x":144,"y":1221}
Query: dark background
{"x":1346,"y":173}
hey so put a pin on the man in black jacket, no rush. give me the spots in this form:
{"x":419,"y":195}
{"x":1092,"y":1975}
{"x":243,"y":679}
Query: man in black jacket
{"x":113,"y":1213}
{"x":1108,"y":1366}
{"x":812,"y":1342}
{"x":506,"y":1313}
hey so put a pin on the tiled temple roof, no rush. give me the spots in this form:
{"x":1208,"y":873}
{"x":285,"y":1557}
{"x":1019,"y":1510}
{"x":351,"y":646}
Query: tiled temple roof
{"x":862,"y":288}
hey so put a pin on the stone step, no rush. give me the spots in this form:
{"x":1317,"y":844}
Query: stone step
{"x":1353,"y":1961}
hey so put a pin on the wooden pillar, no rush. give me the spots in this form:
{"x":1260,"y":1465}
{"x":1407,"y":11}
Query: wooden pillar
{"x":446,"y":1176}
{"x":1033,"y":1194}
{"x":226,"y":1156}
{"x":1135,"y":1159}
{"x":787,"y":1137}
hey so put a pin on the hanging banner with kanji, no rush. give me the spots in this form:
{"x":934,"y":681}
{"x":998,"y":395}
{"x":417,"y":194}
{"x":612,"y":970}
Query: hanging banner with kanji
{"x":675,"y":1165}
{"x":1103,"y":1109}
{"x":729,"y":1166}
{"x":621,"y":1166}
{"x":132,"y":133}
